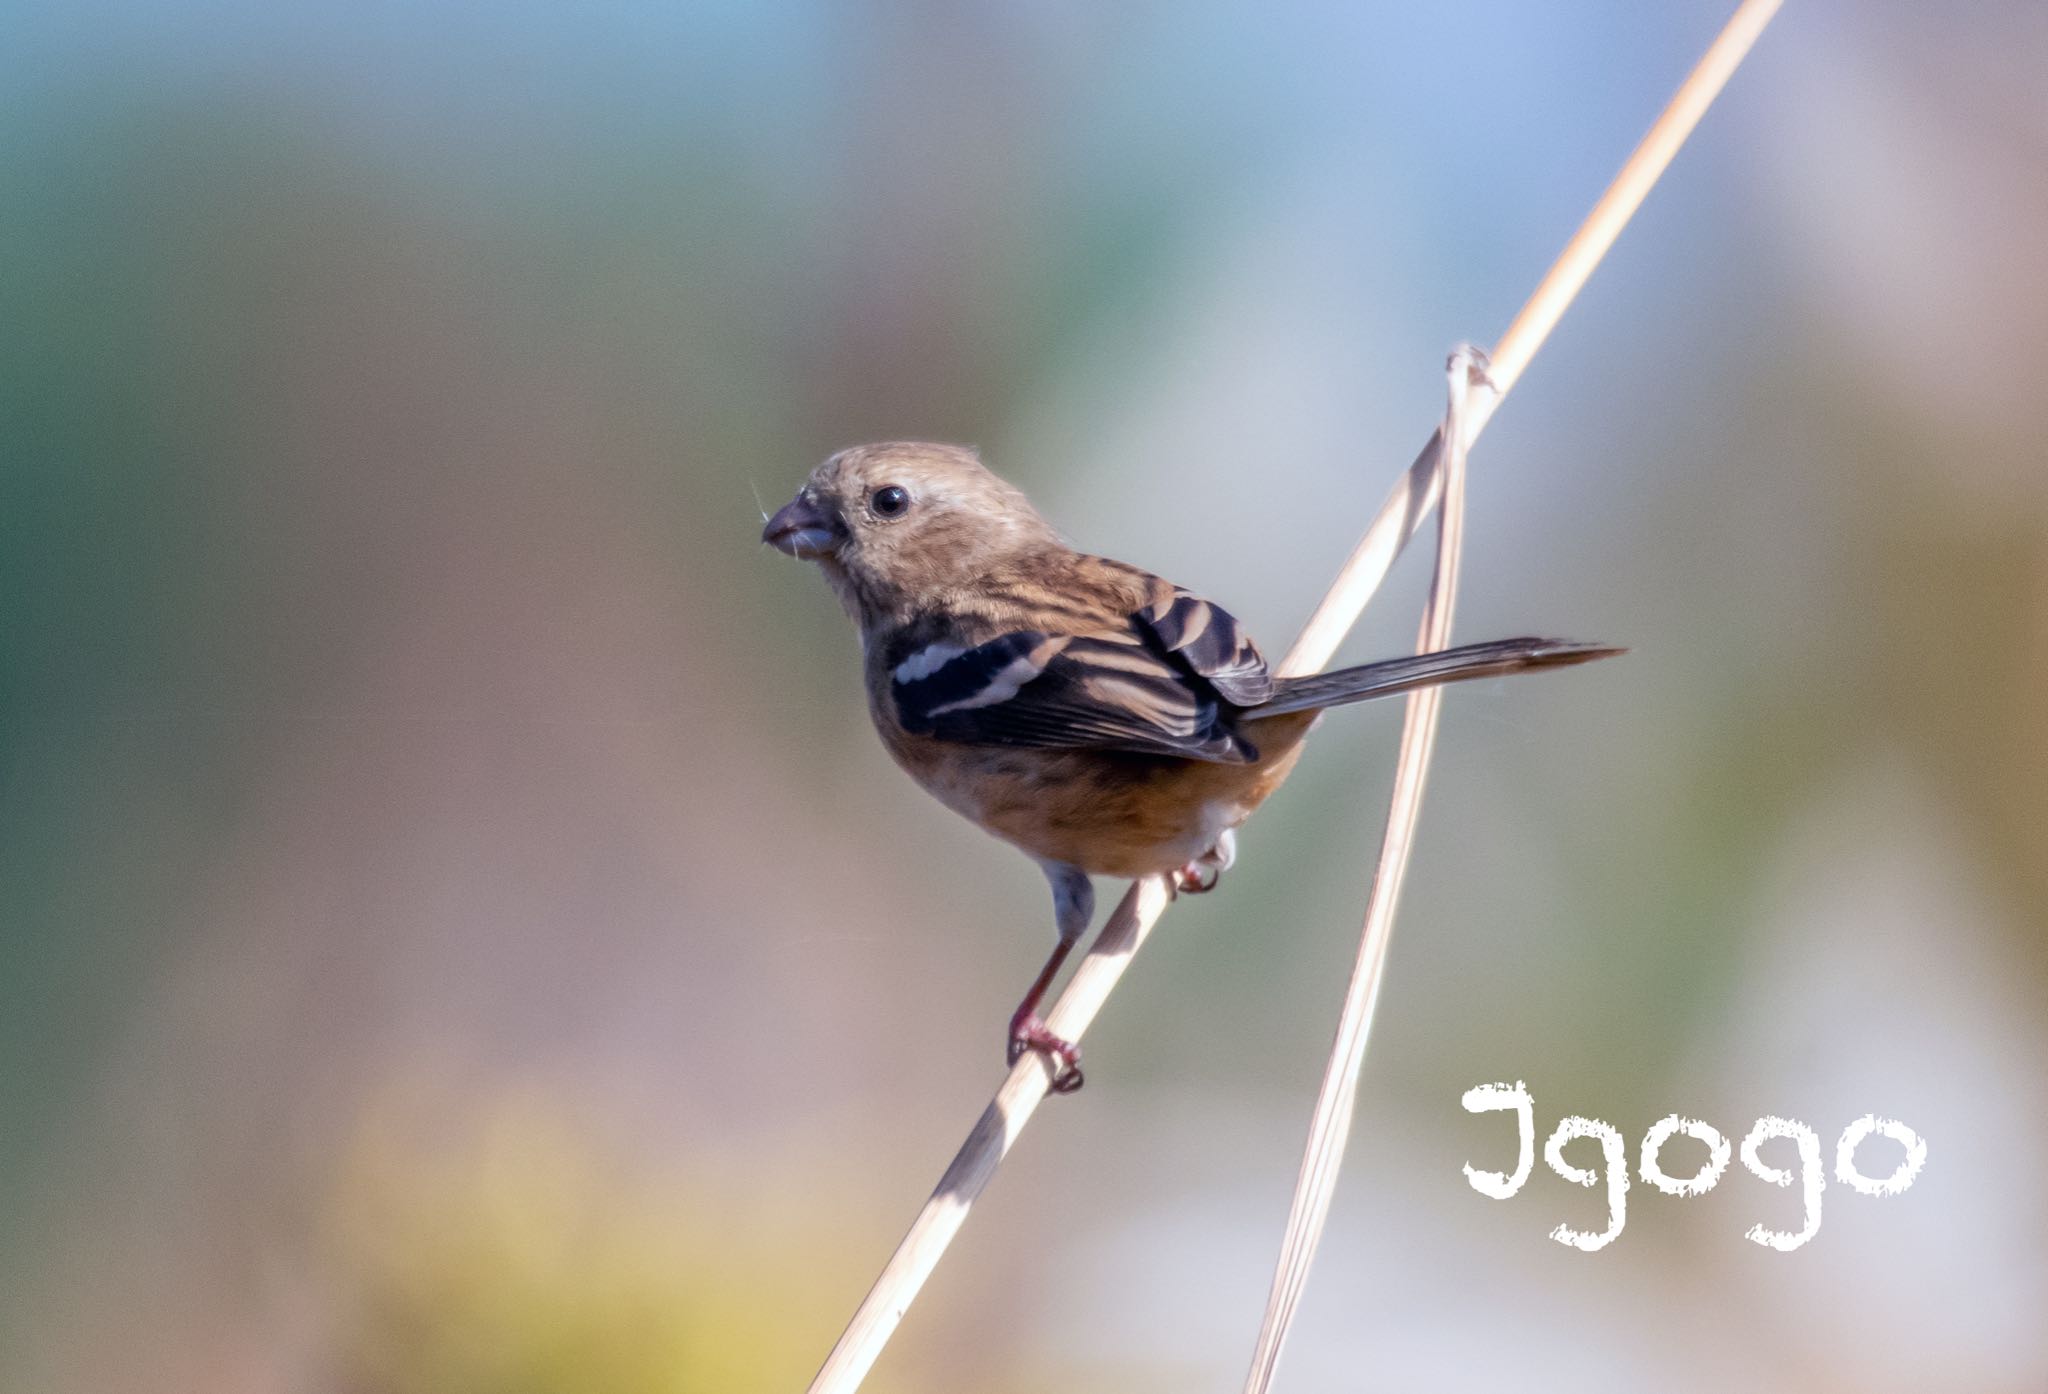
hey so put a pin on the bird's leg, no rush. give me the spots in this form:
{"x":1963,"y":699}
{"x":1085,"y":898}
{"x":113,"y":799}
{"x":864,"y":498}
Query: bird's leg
{"x":1073,"y":903}
{"x":1028,"y":1030}
{"x":1201,"y":875}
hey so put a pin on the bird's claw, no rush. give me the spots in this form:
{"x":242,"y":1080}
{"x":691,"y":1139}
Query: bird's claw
{"x":1202,"y":874}
{"x":1062,"y":1056}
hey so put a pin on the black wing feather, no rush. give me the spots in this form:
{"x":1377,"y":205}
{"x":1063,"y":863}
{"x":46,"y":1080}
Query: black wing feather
{"x":1105,"y":692}
{"x":965,"y":680}
{"x":1213,"y":644}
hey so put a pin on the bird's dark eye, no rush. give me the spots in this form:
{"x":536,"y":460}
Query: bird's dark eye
{"x":889,"y":501}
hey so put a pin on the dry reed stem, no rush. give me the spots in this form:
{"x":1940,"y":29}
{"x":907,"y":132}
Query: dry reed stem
{"x":1402,"y":512}
{"x":1330,"y":1125}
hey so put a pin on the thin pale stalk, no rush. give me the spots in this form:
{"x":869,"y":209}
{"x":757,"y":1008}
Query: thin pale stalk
{"x":1330,"y":1125}
{"x":1415,"y":492}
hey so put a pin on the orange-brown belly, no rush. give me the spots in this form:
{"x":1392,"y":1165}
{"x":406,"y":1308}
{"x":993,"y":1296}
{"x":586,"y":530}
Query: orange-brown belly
{"x":1109,"y":813}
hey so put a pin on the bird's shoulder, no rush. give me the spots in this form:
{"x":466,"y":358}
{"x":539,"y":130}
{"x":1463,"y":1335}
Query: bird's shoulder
{"x":1064,"y":592}
{"x":1059,"y":594}
{"x":1198,"y":638}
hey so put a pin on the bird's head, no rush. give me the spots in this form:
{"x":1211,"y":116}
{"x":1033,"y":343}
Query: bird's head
{"x":895,"y":524}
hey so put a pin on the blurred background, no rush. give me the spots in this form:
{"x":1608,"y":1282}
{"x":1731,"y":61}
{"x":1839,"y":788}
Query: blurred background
{"x":458,"y":932}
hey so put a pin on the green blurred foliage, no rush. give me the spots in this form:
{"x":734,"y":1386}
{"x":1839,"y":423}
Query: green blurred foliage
{"x":504,"y":1253}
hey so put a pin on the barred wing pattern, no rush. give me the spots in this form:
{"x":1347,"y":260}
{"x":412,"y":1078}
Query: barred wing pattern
{"x":1113,"y":691}
{"x":1213,"y":645}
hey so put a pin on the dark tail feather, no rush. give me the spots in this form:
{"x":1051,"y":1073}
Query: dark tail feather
{"x":1385,"y":678}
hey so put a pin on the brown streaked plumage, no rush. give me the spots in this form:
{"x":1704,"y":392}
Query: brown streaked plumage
{"x":1099,"y":718}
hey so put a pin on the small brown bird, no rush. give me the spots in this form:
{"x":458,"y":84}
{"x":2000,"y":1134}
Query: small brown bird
{"x":1105,"y":721}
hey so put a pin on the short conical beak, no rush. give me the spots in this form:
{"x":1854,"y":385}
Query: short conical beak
{"x":802,"y":529}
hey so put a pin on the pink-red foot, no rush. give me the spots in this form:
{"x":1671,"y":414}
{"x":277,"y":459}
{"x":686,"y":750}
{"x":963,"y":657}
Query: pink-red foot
{"x":1028,"y":1032}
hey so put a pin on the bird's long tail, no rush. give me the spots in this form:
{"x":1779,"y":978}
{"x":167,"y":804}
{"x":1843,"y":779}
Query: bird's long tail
{"x":1394,"y":675}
